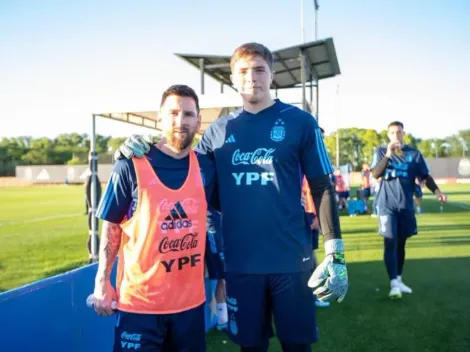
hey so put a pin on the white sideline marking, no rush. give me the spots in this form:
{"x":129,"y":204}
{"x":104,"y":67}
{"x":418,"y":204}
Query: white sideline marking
{"x":40,"y":219}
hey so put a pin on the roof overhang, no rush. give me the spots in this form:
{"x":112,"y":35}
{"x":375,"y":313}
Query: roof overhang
{"x":320,"y":59}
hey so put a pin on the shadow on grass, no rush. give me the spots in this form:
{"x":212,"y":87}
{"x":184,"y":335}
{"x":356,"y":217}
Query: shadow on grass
{"x":2,"y":267}
{"x":448,"y":209}
{"x":421,"y":228}
{"x":428,"y":205}
{"x":412,"y":243}
{"x":364,"y":230}
{"x":427,"y":320}
{"x":456,"y":193}
{"x":443,"y":227}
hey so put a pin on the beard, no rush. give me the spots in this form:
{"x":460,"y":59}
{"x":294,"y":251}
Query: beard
{"x":251,"y":98}
{"x":254,"y":97}
{"x":253,"y":101}
{"x":182,"y":140}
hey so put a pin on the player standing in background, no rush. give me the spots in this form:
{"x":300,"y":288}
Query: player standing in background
{"x":399,"y":165}
{"x":214,"y":233}
{"x":154,"y":212}
{"x":341,"y":190}
{"x":365,"y":184}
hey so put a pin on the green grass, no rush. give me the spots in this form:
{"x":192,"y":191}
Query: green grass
{"x":43,"y":232}
{"x":435,"y":318}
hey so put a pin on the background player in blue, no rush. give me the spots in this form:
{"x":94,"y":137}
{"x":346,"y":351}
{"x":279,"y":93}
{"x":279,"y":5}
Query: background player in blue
{"x":180,"y":121}
{"x":214,"y":233}
{"x":260,"y":152}
{"x":398,"y":166}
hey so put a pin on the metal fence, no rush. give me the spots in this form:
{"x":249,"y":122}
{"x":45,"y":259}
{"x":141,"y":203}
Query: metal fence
{"x":44,"y":174}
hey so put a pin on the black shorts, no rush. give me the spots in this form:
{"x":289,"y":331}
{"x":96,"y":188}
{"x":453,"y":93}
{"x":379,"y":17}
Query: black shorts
{"x":254,"y":299}
{"x":177,"y":332}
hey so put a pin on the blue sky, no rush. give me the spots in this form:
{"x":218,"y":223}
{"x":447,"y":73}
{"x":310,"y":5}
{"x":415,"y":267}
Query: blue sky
{"x":63,"y":60}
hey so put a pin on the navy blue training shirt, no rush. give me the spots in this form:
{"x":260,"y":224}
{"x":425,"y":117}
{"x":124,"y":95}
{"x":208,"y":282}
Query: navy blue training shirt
{"x":259,"y":160}
{"x":396,"y":190}
{"x":121,"y":195}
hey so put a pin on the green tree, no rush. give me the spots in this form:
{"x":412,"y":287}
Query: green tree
{"x":14,"y":148}
{"x":330,"y":144}
{"x":371,"y":140}
{"x":351,"y":146}
{"x":383,"y":137}
{"x":411,"y":140}
{"x":41,"y":152}
{"x":460,"y":142}
{"x":425,"y":147}
{"x":114,"y":143}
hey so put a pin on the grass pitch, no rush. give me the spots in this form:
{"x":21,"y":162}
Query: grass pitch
{"x":43,"y":232}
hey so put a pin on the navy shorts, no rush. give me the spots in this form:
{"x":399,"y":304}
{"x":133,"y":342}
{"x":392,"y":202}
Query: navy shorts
{"x":214,"y":256}
{"x":309,"y":217}
{"x":315,"y":238}
{"x":344,"y":194}
{"x":397,"y":223}
{"x":178,"y":332}
{"x":366,"y":192}
{"x":418,"y":192}
{"x":254,"y":300}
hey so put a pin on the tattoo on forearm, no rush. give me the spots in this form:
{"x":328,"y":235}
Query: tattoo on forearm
{"x":109,"y":247}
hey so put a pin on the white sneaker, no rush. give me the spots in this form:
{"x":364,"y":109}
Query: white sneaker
{"x":395,"y":292}
{"x":403,"y":287}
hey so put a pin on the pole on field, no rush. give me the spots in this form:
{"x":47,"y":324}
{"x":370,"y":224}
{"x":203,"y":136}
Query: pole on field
{"x":94,"y":239}
{"x":315,"y":2}
{"x":337,"y":125}
{"x":302,"y":26}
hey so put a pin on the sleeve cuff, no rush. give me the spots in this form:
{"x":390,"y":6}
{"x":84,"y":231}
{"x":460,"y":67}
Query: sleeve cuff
{"x":334,"y":246}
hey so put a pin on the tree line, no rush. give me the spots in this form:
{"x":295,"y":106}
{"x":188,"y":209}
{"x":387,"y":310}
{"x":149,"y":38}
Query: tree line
{"x":356,"y":146}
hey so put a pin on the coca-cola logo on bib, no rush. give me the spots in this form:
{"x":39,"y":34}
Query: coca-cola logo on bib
{"x":187,"y":242}
{"x":190,"y":205}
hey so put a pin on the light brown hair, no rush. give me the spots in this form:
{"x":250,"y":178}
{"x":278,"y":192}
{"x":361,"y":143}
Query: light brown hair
{"x":250,"y":50}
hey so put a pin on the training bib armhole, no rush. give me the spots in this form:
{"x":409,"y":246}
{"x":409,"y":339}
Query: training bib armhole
{"x":140,"y":182}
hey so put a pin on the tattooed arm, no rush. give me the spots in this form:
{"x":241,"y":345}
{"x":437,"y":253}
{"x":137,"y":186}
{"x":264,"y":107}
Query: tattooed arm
{"x":113,"y":209}
{"x":109,"y":247}
{"x":104,"y":293}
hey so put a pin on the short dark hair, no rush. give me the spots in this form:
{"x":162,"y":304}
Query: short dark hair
{"x":180,"y":90}
{"x":395,"y":123}
{"x":252,"y":49}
